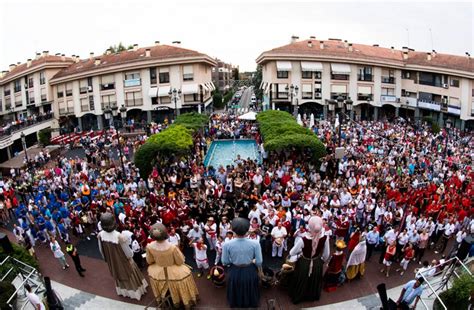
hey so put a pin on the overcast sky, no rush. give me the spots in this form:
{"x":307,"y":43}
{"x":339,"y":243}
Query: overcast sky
{"x":235,"y":31}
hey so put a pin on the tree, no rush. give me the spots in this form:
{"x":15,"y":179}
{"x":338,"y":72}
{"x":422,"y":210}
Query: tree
{"x":256,"y":81}
{"x":235,"y":74}
{"x":118,"y":48}
{"x":217,"y":99}
{"x":145,"y":158}
{"x":44,"y":136}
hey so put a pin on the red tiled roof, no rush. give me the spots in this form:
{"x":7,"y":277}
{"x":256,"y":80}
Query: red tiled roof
{"x":34,"y":64}
{"x":333,"y":48}
{"x":129,"y":56}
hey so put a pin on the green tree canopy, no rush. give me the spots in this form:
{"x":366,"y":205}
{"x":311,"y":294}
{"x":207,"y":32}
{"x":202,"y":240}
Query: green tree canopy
{"x":117,"y":48}
{"x":192,"y":120}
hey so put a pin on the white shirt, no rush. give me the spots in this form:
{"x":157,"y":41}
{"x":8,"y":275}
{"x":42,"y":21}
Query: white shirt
{"x":174,"y":239}
{"x":460,"y":236}
{"x":35,"y":301}
{"x":279,"y":232}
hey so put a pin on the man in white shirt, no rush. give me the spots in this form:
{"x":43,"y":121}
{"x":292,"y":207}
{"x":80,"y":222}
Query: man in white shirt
{"x":278,"y":234}
{"x":34,"y":299}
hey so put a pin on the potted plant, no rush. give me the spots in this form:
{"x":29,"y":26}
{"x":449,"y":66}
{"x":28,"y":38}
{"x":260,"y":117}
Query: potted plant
{"x":6,"y":291}
{"x":458,"y":296}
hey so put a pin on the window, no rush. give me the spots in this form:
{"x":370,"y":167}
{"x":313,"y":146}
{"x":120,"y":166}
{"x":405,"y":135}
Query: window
{"x":108,"y":101}
{"x":340,"y":77}
{"x":406,"y":75}
{"x":388,"y":91}
{"x":107,"y":82}
{"x":42,"y":78}
{"x":83,"y":87}
{"x":133,"y":99}
{"x":164,"y":76}
{"x":191,"y":98}
{"x":30,"y":82}
{"x":84,"y":104}
{"x":60,"y":92}
{"x":31,"y":97}
{"x":365,"y":74}
{"x":317,"y":91}
{"x":454,"y":82}
{"x":338,"y":90}
{"x":153,"y":76}
{"x":18,"y":102}
{"x":282,"y":74}
{"x":430,"y":79}
{"x":132,"y":79}
{"x":17,"y":85}
{"x":317,"y":75}
{"x":282,"y":93}
{"x":69,"y":89}
{"x":8,"y":103}
{"x":91,"y":103}
{"x":6,"y":92}
{"x":364,"y":93}
{"x":306,"y":91}
{"x":165,"y":100}
{"x":43,"y":95}
{"x":188,"y":74}
{"x":305,"y":74}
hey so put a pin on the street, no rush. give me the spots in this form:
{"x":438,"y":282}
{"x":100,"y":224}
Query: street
{"x":245,"y":99}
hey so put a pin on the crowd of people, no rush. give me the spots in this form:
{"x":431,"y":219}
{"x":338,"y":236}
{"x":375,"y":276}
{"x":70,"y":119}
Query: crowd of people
{"x":400,"y":190}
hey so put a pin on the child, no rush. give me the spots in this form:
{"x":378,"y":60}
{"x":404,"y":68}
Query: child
{"x":200,"y":254}
{"x":388,"y":258}
{"x":408,"y":255}
{"x":219,"y":244}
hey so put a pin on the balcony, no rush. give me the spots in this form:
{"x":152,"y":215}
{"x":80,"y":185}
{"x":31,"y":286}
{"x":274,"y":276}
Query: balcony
{"x":410,"y":102}
{"x":428,"y":104}
{"x":388,"y":79}
{"x":85,"y":89}
{"x":133,"y":102}
{"x":65,"y":111}
{"x":43,"y":98}
{"x":22,"y":125}
{"x":132,"y":82}
{"x":340,"y":77}
{"x":365,"y":77}
{"x":343,"y":95}
{"x":68,"y":92}
{"x":31,"y":101}
{"x":454,"y":110}
{"x":108,"y":86}
{"x":105,"y":105}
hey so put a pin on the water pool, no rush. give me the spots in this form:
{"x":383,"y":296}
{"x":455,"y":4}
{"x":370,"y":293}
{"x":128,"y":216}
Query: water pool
{"x":224,"y":152}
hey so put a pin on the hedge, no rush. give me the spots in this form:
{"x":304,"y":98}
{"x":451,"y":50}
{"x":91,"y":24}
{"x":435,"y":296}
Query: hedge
{"x":193,"y":120}
{"x":280,"y":131}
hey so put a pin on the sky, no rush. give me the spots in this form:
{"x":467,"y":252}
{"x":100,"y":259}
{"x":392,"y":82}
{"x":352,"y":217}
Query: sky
{"x":234,"y":31}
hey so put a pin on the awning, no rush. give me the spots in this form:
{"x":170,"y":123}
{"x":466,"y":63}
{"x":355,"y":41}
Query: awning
{"x":311,"y":66}
{"x":153,"y":92}
{"x":283,"y":66}
{"x":267,"y":88}
{"x":212,"y":85}
{"x":163,"y":91}
{"x":188,"y":89}
{"x":204,"y":86}
{"x":340,"y":68}
{"x":263,"y":85}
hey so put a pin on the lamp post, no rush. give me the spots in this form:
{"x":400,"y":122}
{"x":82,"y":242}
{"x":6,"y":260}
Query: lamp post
{"x":343,"y":106}
{"x":293,"y":92}
{"x":109,"y":113}
{"x":175,"y":95}
{"x":448,"y":127}
{"x":23,"y":143}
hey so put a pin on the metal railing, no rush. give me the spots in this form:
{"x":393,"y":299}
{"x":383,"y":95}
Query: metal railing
{"x":388,"y":79}
{"x":133,"y":102}
{"x":25,"y":124}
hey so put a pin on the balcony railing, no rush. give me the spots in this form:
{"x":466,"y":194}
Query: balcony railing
{"x":107,"y":86}
{"x":22,"y":124}
{"x":454,"y":110}
{"x":85,"y":89}
{"x":133,"y":102}
{"x":388,"y":79}
{"x":428,"y":104}
{"x":31,"y":101}
{"x":340,"y":77}
{"x":365,"y":77}
{"x":68,"y":92}
{"x":64,"y":111}
{"x":411,"y":102}
{"x":364,"y":97}
{"x":132,"y":82}
{"x":106,"y":105}
{"x":335,"y":95}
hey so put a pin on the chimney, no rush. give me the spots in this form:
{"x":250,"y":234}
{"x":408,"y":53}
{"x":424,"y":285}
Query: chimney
{"x":28,"y":62}
{"x":148,"y":52}
{"x":346,"y":44}
{"x":12,"y":66}
{"x":135,"y":47}
{"x":428,"y":56}
{"x":45,"y":53}
{"x":433,"y":53}
{"x":312,"y":37}
{"x":57,"y":54}
{"x":375,"y":45}
{"x":18,"y":63}
{"x":468,"y":55}
{"x":294,"y":39}
{"x":310,"y":44}
{"x":321,"y":45}
{"x":157,"y":42}
{"x":91,"y":55}
{"x":77,"y":59}
{"x":38,"y":55}
{"x":97,"y":61}
{"x":405,"y":55}
{"x":350,"y":47}
{"x":405,"y":49}
{"x":177,"y":43}
{"x":393,"y":50}
{"x":63,"y":57}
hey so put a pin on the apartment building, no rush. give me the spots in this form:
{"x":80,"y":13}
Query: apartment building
{"x":26,"y":100}
{"x":381,"y":82}
{"x":151,"y":83}
{"x":222,"y":75}
{"x":70,"y":93}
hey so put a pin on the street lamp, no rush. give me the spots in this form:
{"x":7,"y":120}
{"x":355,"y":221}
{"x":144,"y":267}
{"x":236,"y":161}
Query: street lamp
{"x":343,"y":105}
{"x":123,"y":115}
{"x":175,"y":95}
{"x":293,"y":92}
{"x":23,"y":143}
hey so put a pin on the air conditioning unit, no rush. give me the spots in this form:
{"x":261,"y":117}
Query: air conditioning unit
{"x":445,"y":85}
{"x":317,"y":95}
